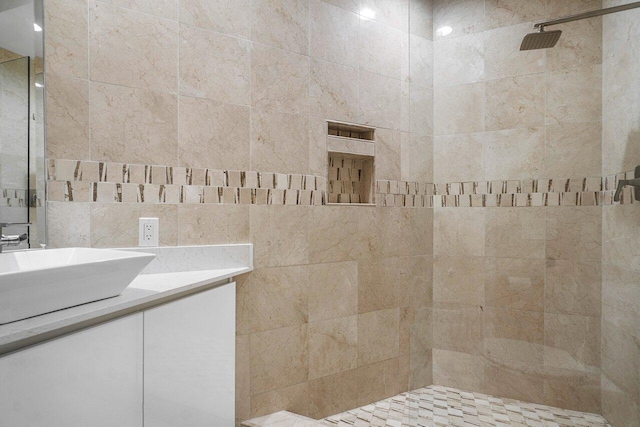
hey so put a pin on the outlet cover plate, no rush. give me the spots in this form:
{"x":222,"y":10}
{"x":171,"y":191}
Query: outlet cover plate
{"x":149,"y":229}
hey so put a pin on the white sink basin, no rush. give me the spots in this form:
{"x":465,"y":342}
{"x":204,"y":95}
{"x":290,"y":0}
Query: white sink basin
{"x":38,"y":282}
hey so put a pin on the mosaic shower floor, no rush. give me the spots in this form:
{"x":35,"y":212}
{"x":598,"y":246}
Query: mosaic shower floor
{"x":442,"y":406}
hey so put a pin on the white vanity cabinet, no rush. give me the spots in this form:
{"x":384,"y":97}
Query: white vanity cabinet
{"x":189,"y":361}
{"x":89,"y":378}
{"x":169,"y":365}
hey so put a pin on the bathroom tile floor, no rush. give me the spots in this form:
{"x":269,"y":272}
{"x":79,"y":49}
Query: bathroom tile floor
{"x":444,"y":406}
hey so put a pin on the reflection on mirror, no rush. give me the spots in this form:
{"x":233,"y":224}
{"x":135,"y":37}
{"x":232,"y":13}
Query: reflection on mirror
{"x":22,"y":163}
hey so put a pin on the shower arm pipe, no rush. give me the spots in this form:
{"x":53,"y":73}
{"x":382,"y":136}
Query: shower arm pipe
{"x":592,"y":14}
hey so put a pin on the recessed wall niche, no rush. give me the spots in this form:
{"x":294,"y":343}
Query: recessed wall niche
{"x":351,"y":166}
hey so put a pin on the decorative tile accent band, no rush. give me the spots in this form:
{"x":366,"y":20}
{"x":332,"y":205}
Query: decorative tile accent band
{"x":111,"y":192}
{"x":13,"y":198}
{"x":512,"y":193}
{"x":120,"y":173}
{"x":89,"y":181}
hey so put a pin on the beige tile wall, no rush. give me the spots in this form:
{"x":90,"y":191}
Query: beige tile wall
{"x":334,"y":315}
{"x":621,"y":225}
{"x":350,"y":304}
{"x":517,"y":291}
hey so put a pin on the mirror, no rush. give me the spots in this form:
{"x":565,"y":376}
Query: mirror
{"x":22,"y":162}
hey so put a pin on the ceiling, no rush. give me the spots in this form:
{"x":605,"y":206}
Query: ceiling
{"x":16,"y":26}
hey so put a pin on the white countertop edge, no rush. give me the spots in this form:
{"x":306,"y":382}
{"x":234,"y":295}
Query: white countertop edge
{"x":144,"y":290}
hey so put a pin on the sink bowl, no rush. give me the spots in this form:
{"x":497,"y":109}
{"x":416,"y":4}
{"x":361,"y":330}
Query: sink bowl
{"x":38,"y":282}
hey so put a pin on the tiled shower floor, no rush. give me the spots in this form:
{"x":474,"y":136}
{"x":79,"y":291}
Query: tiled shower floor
{"x":443,"y":406}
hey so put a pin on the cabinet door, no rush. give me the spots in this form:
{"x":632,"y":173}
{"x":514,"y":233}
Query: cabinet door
{"x":189,"y":361}
{"x":88,"y":378}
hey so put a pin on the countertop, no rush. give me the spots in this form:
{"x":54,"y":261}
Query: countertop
{"x":146,"y":290}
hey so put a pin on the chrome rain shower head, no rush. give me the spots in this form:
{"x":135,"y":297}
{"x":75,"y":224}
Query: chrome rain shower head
{"x":546,"y":39}
{"x":540,"y":40}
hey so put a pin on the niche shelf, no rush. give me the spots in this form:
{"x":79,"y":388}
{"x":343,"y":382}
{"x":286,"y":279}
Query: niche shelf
{"x":351,"y":164}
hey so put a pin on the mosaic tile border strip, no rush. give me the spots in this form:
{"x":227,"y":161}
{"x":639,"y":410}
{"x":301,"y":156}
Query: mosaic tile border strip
{"x":122,"y":173}
{"x":104,"y":182}
{"x":445,"y":406}
{"x":10,"y":198}
{"x":511,"y":193}
{"x":109,"y":192}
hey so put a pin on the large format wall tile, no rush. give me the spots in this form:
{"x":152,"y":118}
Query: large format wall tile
{"x":378,"y":337}
{"x":514,"y":381}
{"x":421,"y":110}
{"x":621,"y":231}
{"x":515,"y":102}
{"x":213,"y":135}
{"x":573,"y":287}
{"x":279,"y":80}
{"x":414,"y":149}
{"x":620,"y":359}
{"x":459,"y":232}
{"x":63,"y":233}
{"x":67,"y":103}
{"x":133,"y":49}
{"x":502,"y":13}
{"x":514,"y":337}
{"x":458,"y":158}
{"x":385,"y":378}
{"x":333,"y":346}
{"x":458,"y":328}
{"x":421,"y":18}
{"x":458,"y":280}
{"x":574,"y":96}
{"x":574,"y":233}
{"x":380,"y":101}
{"x":279,"y":358}
{"x":458,"y":369}
{"x":333,"y":290}
{"x":133,"y":125}
{"x":378,"y":284}
{"x":572,"y":342}
{"x":579,"y":46}
{"x":211,"y":224}
{"x":293,"y":398}
{"x":379,"y":49}
{"x":231,"y":17}
{"x":459,"y":109}
{"x":421,"y":61}
{"x":279,"y":235}
{"x":388,"y":154}
{"x":214,"y":66}
{"x":162,"y":8}
{"x":390,"y":12}
{"x":334,"y":33}
{"x":66,"y":38}
{"x":574,"y":390}
{"x":114,"y":226}
{"x":503,"y":57}
{"x":514,"y":154}
{"x":333,"y":91}
{"x":621,"y":299}
{"x":513,"y":232}
{"x":333,"y":234}
{"x":462,"y":16}
{"x":334,"y":393}
{"x":459,"y":61}
{"x":273,"y":298}
{"x":515,"y":283}
{"x":573,"y":150}
{"x":279,"y":142}
{"x":281,"y":23}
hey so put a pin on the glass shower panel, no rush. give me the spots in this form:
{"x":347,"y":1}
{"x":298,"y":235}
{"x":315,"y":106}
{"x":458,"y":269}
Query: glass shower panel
{"x":14,"y":145}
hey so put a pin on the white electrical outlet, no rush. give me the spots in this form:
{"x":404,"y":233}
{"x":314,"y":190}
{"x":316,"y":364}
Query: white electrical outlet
{"x":149,"y":230}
